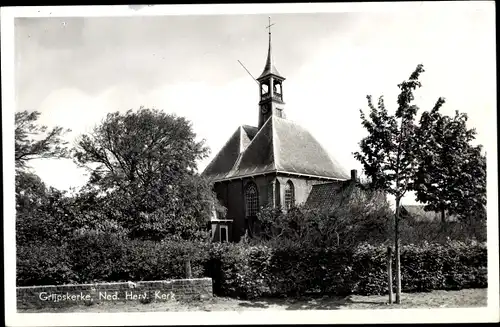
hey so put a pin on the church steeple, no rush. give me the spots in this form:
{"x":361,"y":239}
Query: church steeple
{"x":271,"y":88}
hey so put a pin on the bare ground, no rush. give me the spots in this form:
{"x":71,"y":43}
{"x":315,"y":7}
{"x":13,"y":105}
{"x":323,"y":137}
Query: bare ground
{"x":436,"y":299}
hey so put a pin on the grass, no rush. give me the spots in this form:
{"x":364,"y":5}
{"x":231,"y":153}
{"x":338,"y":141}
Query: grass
{"x":435,"y":299}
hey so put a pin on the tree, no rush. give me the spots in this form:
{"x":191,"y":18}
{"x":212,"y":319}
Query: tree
{"x":388,"y":153}
{"x":33,"y":141}
{"x":144,"y":162}
{"x":451,"y":176}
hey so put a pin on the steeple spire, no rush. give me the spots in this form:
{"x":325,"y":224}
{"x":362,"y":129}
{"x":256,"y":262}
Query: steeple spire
{"x":270,"y":67}
{"x":271,"y":88}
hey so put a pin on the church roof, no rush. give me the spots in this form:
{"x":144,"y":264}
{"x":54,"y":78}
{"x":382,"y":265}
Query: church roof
{"x":323,"y":194}
{"x":280,"y":146}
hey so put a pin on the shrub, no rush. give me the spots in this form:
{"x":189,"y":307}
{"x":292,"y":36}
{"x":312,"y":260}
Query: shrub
{"x":274,"y":268}
{"x":111,"y":257}
{"x":43,"y":265}
{"x":289,"y":269}
{"x":149,"y":260}
{"x":98,"y":256}
{"x":354,"y":216}
{"x":238,"y":270}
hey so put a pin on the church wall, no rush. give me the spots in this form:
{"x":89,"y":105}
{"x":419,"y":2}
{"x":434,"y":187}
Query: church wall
{"x":302,"y":186}
{"x":231,"y":194}
{"x":236,"y":208}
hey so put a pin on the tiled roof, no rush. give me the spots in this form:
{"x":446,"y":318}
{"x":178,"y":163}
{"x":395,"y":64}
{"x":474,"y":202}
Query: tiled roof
{"x":337,"y":194}
{"x":323,"y":194}
{"x":279,"y":146}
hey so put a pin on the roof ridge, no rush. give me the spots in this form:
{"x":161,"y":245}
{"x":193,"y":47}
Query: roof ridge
{"x":238,"y":161}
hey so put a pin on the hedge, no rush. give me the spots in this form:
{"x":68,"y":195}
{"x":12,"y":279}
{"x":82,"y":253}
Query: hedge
{"x":250,"y":271}
{"x":256,"y":271}
{"x":96,"y":257}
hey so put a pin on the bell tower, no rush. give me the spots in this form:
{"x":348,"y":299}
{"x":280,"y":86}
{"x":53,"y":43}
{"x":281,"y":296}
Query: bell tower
{"x":271,"y":88}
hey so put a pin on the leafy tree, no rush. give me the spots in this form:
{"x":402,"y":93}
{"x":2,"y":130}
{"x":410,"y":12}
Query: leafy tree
{"x":45,"y":215}
{"x":389,"y":151}
{"x":33,"y":141}
{"x":144,"y":162}
{"x":31,"y":192}
{"x":451,"y":176}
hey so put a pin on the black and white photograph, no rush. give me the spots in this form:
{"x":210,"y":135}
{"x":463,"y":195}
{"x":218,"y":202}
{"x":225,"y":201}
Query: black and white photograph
{"x":250,"y":163}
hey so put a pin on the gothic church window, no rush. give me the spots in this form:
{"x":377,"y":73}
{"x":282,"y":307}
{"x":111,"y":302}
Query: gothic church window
{"x":289,"y":195}
{"x":251,"y":200}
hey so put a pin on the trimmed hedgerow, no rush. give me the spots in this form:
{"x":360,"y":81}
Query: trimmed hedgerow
{"x":103,"y":257}
{"x":251,"y":271}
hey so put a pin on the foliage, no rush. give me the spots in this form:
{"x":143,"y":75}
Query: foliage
{"x":251,"y":271}
{"x":47,"y":215}
{"x":354,"y":216}
{"x":144,"y":162}
{"x":418,"y":232}
{"x":33,"y":141}
{"x":451,"y":176}
{"x":388,"y":152}
{"x":106,"y":255}
{"x":237,"y":269}
{"x":31,"y":192}
{"x":292,"y":270}
{"x":43,"y":265}
{"x":401,"y":155}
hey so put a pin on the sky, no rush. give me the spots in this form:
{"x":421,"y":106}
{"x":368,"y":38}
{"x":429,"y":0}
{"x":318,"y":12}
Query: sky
{"x":75,"y":70}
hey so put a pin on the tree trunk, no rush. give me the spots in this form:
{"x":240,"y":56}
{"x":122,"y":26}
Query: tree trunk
{"x":389,"y":272}
{"x":397,"y":251}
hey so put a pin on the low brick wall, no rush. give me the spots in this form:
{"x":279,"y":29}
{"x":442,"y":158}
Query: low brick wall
{"x":88,"y":294}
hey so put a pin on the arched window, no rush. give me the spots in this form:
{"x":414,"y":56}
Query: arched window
{"x":251,"y":200}
{"x":289,"y":195}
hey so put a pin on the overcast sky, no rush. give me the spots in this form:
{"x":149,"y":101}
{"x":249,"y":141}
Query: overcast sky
{"x":76,"y":70}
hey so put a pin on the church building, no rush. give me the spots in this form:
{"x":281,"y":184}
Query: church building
{"x":276,"y":163}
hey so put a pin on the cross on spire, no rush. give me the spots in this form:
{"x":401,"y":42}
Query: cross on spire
{"x":269,"y":26}
{"x":269,"y":68}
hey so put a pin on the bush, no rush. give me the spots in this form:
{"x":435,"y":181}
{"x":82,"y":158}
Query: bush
{"x":238,"y":270}
{"x":149,"y":260}
{"x":93,"y":256}
{"x":251,"y":271}
{"x":273,"y":268}
{"x":43,"y":265}
{"x":354,"y":216}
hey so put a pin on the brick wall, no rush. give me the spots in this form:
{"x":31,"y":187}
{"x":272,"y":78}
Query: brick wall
{"x":88,"y":294}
